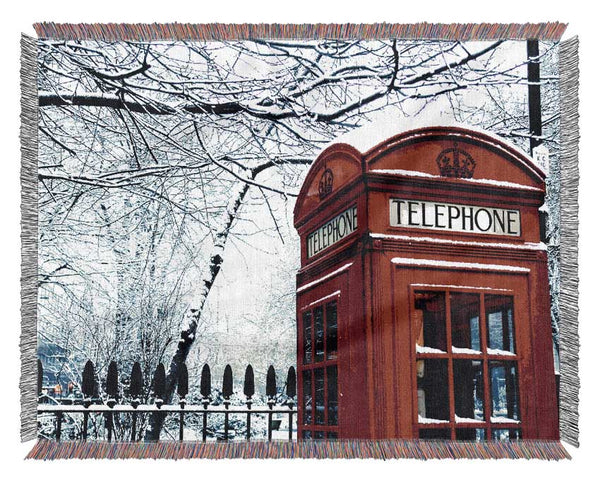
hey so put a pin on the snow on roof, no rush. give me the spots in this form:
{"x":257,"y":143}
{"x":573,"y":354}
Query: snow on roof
{"x":407,"y":261}
{"x":324,"y":298}
{"x":456,"y":286}
{"x":415,"y":173}
{"x":539,"y":246}
{"x":324,"y":278}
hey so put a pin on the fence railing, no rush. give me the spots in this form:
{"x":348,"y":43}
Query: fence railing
{"x":91,"y":402}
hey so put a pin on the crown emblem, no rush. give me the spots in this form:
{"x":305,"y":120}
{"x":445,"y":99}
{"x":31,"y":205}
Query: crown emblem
{"x":325,"y":184}
{"x":455,"y":162}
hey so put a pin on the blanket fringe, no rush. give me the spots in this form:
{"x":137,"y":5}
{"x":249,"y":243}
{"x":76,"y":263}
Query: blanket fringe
{"x":568,"y":302}
{"x":224,"y":31}
{"x":29,"y":237}
{"x":569,"y":223}
{"x":339,"y":449}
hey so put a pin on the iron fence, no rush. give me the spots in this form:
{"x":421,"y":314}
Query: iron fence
{"x":112,"y":403}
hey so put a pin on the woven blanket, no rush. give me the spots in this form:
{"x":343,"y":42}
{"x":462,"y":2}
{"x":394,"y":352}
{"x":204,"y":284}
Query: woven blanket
{"x":292,"y":241}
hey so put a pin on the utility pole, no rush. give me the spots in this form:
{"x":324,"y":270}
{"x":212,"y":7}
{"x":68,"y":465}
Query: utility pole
{"x":535,"y":140}
{"x":535,"y":98}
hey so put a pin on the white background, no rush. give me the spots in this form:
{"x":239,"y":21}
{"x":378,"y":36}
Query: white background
{"x":18,"y":16}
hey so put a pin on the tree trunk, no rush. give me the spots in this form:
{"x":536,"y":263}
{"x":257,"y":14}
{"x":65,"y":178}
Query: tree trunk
{"x":190,"y":324}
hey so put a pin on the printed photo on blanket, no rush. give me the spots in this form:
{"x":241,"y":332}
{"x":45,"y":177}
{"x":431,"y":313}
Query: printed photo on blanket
{"x":293,"y":239}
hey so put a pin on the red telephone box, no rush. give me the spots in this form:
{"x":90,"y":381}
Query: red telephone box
{"x":422,"y":299}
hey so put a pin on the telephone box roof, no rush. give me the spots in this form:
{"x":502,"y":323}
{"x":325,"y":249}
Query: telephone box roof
{"x":362,"y":148}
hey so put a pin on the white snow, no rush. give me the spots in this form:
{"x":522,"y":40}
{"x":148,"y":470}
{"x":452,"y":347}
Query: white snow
{"x":499,"y":352}
{"x":457,"y":265}
{"x":324,"y":278}
{"x":458,"y":419}
{"x":498,"y":183}
{"x":328,"y":296}
{"x":464,"y":350}
{"x":429,"y":350}
{"x":500,"y":419}
{"x":452,"y":286}
{"x":534,"y":246}
{"x":408,"y":173}
{"x":424,"y":420}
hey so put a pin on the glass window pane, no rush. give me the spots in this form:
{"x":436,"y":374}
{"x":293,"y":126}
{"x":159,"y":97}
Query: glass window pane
{"x":468,"y":390}
{"x":332,"y":435}
{"x":332,"y":326}
{"x":307,"y":336}
{"x":332,"y":396}
{"x":500,"y":324}
{"x":434,"y":433}
{"x":432,"y":390}
{"x":465,"y":322}
{"x":319,"y":334}
{"x":504,"y":388}
{"x":430,"y":320}
{"x":468,"y":434}
{"x":319,"y":396}
{"x":307,"y":403}
{"x":306,"y":435}
{"x":319,"y":435}
{"x":506,"y":434}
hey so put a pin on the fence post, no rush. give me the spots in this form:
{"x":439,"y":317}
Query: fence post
{"x":182,"y":390}
{"x":249,"y":392}
{"x":135,"y":391}
{"x":205,"y":392}
{"x":271,"y":393}
{"x":88,"y":388}
{"x":159,"y":385}
{"x":227,"y":392}
{"x":159,"y":388}
{"x":290,"y":392}
{"x":112,"y":391}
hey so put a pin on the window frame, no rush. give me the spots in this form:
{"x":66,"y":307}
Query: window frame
{"x":310,"y":367}
{"x":485,"y":358}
